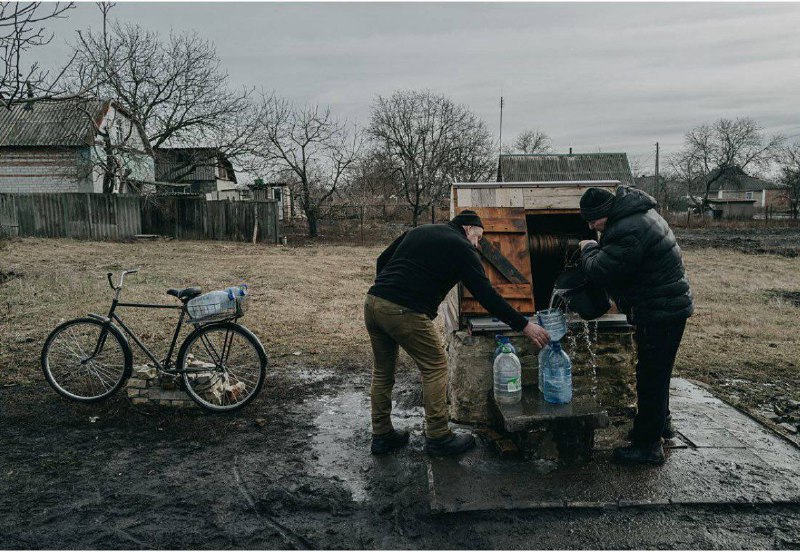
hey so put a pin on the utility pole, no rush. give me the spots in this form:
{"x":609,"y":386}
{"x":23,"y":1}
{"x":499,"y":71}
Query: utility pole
{"x":499,"y":169}
{"x":658,"y":183}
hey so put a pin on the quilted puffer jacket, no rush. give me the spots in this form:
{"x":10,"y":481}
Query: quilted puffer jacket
{"x":639,"y":262}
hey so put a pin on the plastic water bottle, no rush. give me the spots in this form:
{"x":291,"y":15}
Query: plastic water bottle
{"x":557,"y":368}
{"x":501,"y":341}
{"x":507,"y":377}
{"x":546,"y":350}
{"x":209,"y":304}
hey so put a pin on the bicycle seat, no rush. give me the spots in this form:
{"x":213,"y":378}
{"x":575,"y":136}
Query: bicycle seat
{"x":185,"y":294}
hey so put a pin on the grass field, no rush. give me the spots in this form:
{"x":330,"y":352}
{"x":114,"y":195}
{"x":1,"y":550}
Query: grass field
{"x":742,"y":339}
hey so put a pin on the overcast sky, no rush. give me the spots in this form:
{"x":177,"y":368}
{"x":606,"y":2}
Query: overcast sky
{"x":596,"y":77}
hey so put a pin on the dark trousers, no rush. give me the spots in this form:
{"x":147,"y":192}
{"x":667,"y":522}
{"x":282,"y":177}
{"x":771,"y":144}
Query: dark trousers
{"x":657,"y":345}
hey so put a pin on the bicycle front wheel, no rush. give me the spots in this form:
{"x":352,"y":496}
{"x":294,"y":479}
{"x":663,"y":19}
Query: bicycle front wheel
{"x":223,"y":366}
{"x":85,"y":360}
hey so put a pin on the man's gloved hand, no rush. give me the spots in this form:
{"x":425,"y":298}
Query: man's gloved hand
{"x":537,"y":334}
{"x":584,"y":243}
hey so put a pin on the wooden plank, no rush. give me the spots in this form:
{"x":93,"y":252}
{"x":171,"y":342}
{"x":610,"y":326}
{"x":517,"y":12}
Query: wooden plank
{"x":508,"y":291}
{"x":494,"y":225}
{"x":503,"y":265}
{"x":516,"y":197}
{"x":486,"y":197}
{"x":464,"y":198}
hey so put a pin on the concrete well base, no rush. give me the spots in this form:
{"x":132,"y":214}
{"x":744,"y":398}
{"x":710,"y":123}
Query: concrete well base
{"x":612,"y":381}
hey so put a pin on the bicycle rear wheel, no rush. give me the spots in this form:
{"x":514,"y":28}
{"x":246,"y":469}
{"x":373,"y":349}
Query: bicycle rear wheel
{"x":223,"y":365}
{"x":85,"y":360}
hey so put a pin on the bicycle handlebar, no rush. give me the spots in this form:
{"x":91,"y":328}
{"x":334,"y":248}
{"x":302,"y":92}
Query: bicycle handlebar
{"x":121,"y":278}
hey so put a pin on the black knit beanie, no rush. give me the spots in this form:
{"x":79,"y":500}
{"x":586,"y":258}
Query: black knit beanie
{"x":596,"y":203}
{"x":467,"y":218}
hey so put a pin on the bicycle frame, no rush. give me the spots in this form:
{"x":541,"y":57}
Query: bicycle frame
{"x":166,"y":366}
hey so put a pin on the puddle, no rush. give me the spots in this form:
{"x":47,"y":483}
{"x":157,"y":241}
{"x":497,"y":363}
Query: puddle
{"x":340,"y":447}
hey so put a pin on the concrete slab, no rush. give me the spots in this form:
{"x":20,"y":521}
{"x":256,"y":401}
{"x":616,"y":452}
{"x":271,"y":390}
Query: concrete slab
{"x":533,"y":412}
{"x":720,"y":456}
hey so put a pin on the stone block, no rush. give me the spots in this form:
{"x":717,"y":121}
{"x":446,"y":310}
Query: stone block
{"x":145,"y":372}
{"x":140,"y":401}
{"x":136,"y":383}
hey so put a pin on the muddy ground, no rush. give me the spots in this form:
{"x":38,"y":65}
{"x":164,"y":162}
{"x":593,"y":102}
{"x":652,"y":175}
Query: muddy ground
{"x":784,"y":241}
{"x":267,"y":478}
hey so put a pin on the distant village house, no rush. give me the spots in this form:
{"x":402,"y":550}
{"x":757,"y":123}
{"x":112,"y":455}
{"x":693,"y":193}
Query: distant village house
{"x":74,"y":145}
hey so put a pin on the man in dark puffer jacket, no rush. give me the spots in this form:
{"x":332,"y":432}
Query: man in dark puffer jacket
{"x":639,"y":263}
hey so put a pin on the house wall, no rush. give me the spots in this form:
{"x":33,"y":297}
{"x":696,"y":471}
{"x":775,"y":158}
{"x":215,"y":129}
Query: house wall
{"x":44,"y":170}
{"x":764,"y":198}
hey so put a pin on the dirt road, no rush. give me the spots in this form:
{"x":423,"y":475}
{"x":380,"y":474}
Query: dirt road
{"x":270,"y":477}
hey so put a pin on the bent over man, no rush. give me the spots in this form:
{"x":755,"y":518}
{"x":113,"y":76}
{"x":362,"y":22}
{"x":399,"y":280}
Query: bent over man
{"x":413,"y":276}
{"x":639,"y":263}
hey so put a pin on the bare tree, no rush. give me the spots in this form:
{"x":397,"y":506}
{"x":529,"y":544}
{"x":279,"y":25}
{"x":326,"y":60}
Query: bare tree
{"x":429,"y":141}
{"x":22,"y":28}
{"x":309,"y":149}
{"x":710,"y":150}
{"x":174,"y":88}
{"x":790,"y":175}
{"x":532,"y":141}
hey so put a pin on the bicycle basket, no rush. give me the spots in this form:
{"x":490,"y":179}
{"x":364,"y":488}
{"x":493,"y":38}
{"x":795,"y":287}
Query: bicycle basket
{"x":217,"y":305}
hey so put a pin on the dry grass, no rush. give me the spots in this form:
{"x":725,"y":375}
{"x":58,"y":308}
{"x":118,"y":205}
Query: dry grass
{"x":304,"y":299}
{"x":741,"y":331}
{"x":309,"y":299}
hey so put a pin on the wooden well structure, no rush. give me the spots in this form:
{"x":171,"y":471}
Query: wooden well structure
{"x":531,"y":229}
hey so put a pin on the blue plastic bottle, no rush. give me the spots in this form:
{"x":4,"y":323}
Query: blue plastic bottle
{"x":557,"y":368}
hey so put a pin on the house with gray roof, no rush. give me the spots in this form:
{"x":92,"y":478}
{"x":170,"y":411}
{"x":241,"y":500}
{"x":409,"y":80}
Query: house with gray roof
{"x":69,"y":145}
{"x":732,"y":183}
{"x":566,"y":167}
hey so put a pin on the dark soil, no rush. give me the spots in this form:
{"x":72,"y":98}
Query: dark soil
{"x":754,"y":240}
{"x":137,"y":479}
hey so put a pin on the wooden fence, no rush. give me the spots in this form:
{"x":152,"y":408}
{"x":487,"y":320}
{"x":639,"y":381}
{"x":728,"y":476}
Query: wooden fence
{"x":198,"y":219}
{"x":117,"y":217}
{"x":70,"y":215}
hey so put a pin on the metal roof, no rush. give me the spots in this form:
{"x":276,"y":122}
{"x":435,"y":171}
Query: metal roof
{"x":565,"y":167}
{"x":734,"y":179}
{"x":50,"y":123}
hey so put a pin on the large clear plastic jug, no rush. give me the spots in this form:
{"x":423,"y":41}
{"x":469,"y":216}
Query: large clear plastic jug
{"x":507,"y":378}
{"x":557,"y":368}
{"x":554,"y":321}
{"x":502,"y":341}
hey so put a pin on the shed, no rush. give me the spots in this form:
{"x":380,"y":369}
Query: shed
{"x":205,"y":170}
{"x":740,"y":209}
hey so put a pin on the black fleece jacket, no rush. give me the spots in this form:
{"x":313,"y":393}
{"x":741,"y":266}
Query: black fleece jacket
{"x":418,"y":269}
{"x":639,"y":262}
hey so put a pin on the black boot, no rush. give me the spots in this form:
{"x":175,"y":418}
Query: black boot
{"x":449,"y":444}
{"x":640,"y":454}
{"x":668,"y":433}
{"x":381,"y":444}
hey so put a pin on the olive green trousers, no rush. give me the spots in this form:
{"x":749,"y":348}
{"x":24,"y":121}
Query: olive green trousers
{"x":391,"y":326}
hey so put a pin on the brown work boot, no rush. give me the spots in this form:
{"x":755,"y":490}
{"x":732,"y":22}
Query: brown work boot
{"x":381,"y":444}
{"x":449,"y":444}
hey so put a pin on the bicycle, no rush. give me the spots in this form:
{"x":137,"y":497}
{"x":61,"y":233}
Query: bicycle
{"x":222,"y":363}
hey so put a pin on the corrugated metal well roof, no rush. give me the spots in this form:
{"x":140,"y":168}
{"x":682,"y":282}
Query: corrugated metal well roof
{"x":565,"y":167}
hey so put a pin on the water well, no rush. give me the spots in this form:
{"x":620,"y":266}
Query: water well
{"x":530,"y":231}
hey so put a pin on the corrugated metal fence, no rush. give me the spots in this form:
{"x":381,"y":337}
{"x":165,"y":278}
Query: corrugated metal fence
{"x":116,"y":217}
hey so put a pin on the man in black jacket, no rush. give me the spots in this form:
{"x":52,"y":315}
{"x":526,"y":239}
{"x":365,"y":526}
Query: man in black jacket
{"x":640,"y":264}
{"x":413,"y":276}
